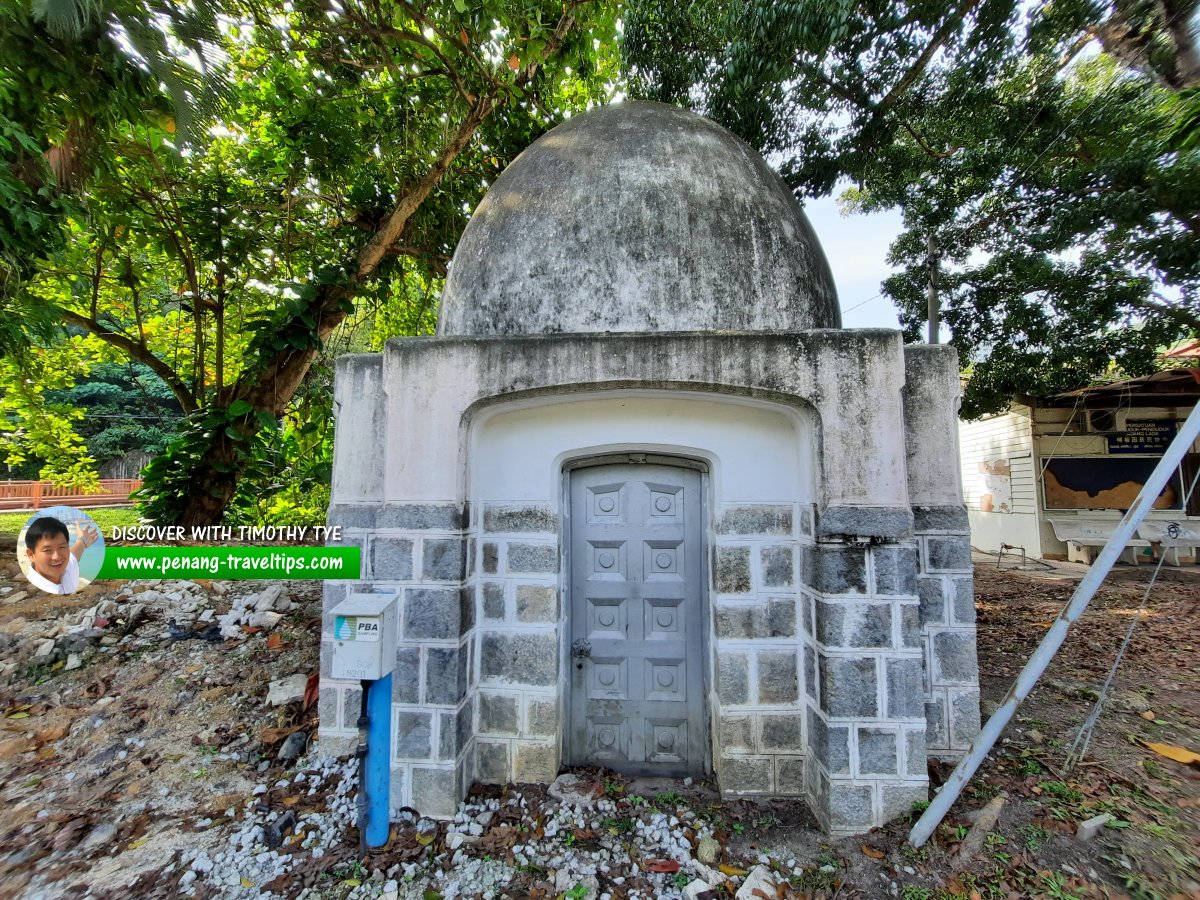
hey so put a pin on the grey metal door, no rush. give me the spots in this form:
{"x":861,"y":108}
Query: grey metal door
{"x":637,"y":627}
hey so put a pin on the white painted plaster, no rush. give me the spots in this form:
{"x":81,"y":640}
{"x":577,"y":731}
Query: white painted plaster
{"x":757,"y":452}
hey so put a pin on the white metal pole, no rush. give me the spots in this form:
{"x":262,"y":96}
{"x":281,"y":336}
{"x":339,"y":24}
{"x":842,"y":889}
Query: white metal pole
{"x":1054,"y":638}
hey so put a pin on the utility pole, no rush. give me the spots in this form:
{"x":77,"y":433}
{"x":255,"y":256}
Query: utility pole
{"x":931,"y":292}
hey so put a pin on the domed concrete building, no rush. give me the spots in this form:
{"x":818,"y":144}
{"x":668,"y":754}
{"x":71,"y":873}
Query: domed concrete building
{"x":647,"y":506}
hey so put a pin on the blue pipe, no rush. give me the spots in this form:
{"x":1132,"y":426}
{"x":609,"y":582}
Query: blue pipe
{"x":377,"y":768}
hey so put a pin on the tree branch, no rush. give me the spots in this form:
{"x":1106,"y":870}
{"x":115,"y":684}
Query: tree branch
{"x":917,"y":69}
{"x":138,"y":352}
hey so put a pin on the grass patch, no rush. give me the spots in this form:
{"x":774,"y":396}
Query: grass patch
{"x":106,"y":518}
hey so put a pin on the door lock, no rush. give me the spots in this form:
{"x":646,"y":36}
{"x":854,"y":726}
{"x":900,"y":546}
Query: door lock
{"x":581,"y":649}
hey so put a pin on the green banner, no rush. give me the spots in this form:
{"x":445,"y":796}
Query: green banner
{"x":226,"y":563}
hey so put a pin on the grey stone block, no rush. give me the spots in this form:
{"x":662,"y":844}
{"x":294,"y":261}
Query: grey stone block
{"x":420,"y":516}
{"x":900,"y":799}
{"x":413,"y":738}
{"x":964,"y":601}
{"x":492,"y":765}
{"x":520,"y":659}
{"x":830,"y":744}
{"x":915,"y":753}
{"x":778,"y":678}
{"x":849,"y":686}
{"x":733,"y":678}
{"x":741,"y":622}
{"x":391,"y":559}
{"x":431,"y":613}
{"x":854,"y":624}
{"x":464,"y":726}
{"x":406,"y":676}
{"x":964,"y":718}
{"x":352,"y":515}
{"x":332,"y":594}
{"x":434,"y":791}
{"x":755,"y":519}
{"x":807,"y":519}
{"x":807,"y":557}
{"x":865,"y":521}
{"x":746,"y":775}
{"x":732,"y":570}
{"x":327,"y":708}
{"x":447,"y":732}
{"x":537,"y":603}
{"x":471,"y":548}
{"x":910,"y":625}
{"x":850,"y":807}
{"x":519,"y":519}
{"x":532,"y":557}
{"x":932,"y":596}
{"x":806,"y":607}
{"x":351,"y":708}
{"x":937,"y":728}
{"x":782,"y":734}
{"x":542,"y":715}
{"x":445,"y":675}
{"x":840,"y":570}
{"x":491,"y":558}
{"x":326,"y":666}
{"x":778,"y":566}
{"x":954,"y":658}
{"x":789,"y":775}
{"x":781,"y":618}
{"x":876,"y":752}
{"x":536,"y":762}
{"x":949,"y":554}
{"x":895,"y":571}
{"x":940,"y":518}
{"x":498,"y":714}
{"x":493,"y":600}
{"x":442,"y":559}
{"x":905,"y":688}
{"x":810,"y":671}
{"x":466,"y":608}
{"x":736,"y":733}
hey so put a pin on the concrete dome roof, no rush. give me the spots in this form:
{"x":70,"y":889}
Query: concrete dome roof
{"x":638,"y":217}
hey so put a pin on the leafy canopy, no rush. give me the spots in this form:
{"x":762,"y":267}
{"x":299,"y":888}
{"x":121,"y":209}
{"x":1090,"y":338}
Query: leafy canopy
{"x":1050,"y":152}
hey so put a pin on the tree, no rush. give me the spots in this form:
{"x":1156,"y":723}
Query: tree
{"x":1047,"y":153}
{"x":333,"y":189}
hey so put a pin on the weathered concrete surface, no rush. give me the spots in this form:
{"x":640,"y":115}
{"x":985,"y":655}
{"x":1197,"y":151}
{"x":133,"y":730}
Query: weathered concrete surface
{"x":638,"y":217}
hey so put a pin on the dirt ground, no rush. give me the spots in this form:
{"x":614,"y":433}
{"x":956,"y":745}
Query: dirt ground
{"x":132,"y":753}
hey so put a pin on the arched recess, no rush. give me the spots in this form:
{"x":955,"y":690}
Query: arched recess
{"x":759,"y":491}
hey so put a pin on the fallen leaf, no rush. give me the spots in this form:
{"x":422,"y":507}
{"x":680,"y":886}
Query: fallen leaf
{"x":1148,"y":715}
{"x":873,"y":852}
{"x":275,"y":642}
{"x":731,"y":871}
{"x":133,"y":845}
{"x":1170,"y":751}
{"x":312,"y":689}
{"x":667,"y":866}
{"x":247,"y":883}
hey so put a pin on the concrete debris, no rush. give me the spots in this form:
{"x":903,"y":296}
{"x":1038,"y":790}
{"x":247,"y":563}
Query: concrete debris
{"x":708,"y":851}
{"x":760,"y":879}
{"x":283,"y":691}
{"x":1092,"y":827}
{"x":568,"y":788}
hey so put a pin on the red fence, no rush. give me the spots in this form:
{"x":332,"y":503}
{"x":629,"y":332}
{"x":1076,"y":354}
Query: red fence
{"x":40,"y":494}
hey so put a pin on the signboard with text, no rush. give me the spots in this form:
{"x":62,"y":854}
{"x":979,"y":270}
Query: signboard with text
{"x":1143,"y":437}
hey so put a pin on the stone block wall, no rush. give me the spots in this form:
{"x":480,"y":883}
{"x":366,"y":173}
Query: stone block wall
{"x":759,"y":745}
{"x":947,"y":607}
{"x":866,"y":716}
{"x":517,"y":690}
{"x":419,"y":552}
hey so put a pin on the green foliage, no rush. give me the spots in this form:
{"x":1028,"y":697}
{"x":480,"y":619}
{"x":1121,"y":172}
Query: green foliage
{"x":32,"y":427}
{"x":106,"y":519}
{"x":1062,"y":189}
